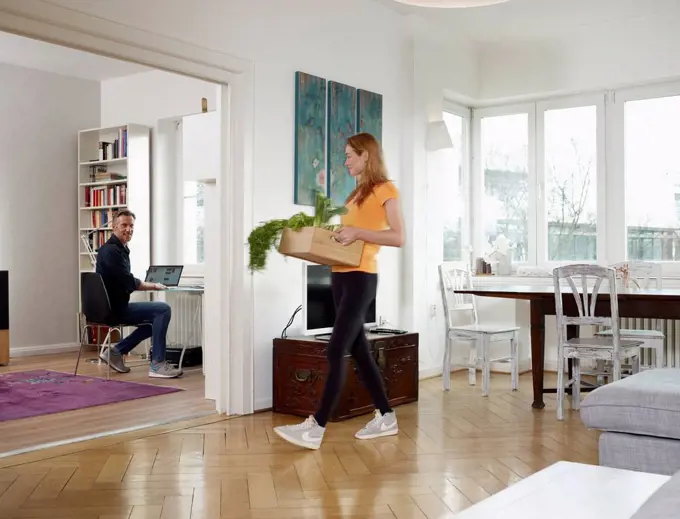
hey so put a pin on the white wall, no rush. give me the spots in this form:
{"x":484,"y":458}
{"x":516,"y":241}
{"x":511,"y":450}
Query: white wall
{"x":604,"y":56}
{"x":148,"y":98}
{"x":41,"y":115}
{"x":439,"y":69}
{"x":331,"y":41}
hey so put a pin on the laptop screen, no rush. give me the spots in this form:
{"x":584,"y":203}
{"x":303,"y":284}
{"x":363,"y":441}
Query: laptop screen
{"x":168,"y":275}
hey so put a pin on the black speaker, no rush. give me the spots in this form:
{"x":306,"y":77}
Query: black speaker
{"x":4,"y":300}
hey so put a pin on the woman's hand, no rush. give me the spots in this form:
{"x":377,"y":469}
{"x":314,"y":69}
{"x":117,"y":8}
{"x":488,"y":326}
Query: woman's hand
{"x":348,"y":235}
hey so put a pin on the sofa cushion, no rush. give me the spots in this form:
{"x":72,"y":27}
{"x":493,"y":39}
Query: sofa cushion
{"x":645,"y":403}
{"x":662,"y":504}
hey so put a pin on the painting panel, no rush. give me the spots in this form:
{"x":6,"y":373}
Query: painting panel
{"x":342,"y":109}
{"x":370,"y":113}
{"x":310,"y":138}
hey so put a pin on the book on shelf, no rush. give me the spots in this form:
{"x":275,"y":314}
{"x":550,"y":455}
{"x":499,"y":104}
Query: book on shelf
{"x":106,"y":176}
{"x":98,"y":238}
{"x":103,"y":217}
{"x":102,"y":174}
{"x":97,"y":196}
{"x":116,"y":149}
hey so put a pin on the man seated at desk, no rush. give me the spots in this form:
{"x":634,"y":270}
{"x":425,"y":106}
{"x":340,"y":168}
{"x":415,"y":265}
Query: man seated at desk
{"x":113,"y":264}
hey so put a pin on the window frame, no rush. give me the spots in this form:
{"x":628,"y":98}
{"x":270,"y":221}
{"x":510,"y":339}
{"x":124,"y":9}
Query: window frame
{"x":611,"y":178}
{"x":619,"y":97}
{"x":466,"y":222}
{"x":191,"y":270}
{"x":541,"y":236}
{"x":477,"y":178}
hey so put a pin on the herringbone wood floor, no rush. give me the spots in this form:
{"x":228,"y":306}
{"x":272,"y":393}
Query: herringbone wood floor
{"x":454,"y":449}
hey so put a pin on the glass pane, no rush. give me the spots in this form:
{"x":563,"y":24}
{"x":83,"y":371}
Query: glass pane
{"x":450,"y":189}
{"x":571,"y":183}
{"x":505,"y":158}
{"x":194,"y":222}
{"x":652,"y":169}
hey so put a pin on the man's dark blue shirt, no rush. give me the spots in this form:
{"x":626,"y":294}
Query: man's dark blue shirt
{"x":113,"y":265}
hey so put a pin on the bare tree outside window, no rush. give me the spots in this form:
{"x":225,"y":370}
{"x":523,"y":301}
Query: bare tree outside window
{"x":570,"y":138}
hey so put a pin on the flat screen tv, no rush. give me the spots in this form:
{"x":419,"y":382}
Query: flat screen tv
{"x":318,"y":310}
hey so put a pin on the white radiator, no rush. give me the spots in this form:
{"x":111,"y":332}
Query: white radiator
{"x":186,"y":325}
{"x":669,"y":327}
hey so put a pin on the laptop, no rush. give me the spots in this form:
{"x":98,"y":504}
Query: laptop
{"x":168,"y":275}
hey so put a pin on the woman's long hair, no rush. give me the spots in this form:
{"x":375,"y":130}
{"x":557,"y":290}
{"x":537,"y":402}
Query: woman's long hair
{"x":375,"y":172}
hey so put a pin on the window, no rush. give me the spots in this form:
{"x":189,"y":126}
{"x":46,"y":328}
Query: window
{"x":538,"y":180}
{"x":504,"y":141}
{"x":193,"y":217}
{"x":570,"y":172}
{"x":450,"y":188}
{"x":652,"y":178}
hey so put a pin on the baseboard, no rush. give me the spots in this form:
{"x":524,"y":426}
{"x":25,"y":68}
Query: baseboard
{"x":496,"y":367}
{"x":47,"y":349}
{"x":263,"y":404}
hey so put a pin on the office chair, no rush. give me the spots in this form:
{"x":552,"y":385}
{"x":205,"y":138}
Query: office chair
{"x":96,"y":311}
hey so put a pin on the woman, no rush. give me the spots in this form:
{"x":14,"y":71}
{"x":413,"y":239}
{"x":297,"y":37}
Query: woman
{"x":373,"y":216}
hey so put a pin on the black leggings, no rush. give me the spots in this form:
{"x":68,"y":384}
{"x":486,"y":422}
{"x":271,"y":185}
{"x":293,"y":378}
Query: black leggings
{"x":353,"y":293}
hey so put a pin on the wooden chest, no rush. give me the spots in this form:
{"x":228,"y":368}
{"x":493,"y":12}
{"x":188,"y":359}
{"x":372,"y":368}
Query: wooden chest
{"x":300,"y":369}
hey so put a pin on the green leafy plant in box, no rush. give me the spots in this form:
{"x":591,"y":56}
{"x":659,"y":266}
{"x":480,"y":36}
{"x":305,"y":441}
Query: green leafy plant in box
{"x":265,"y":237}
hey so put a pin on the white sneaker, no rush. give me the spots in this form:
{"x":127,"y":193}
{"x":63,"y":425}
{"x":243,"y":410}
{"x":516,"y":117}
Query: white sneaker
{"x":381,"y":425}
{"x":307,"y":434}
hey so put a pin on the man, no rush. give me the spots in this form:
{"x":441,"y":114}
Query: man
{"x":113,"y":264}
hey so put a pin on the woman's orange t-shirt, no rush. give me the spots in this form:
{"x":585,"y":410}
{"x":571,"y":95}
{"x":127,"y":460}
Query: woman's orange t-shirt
{"x":372,"y":216}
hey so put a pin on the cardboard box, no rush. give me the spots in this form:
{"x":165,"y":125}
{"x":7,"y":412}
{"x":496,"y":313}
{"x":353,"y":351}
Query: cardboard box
{"x":319,"y":246}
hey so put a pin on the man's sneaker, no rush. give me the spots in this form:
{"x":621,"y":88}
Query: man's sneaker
{"x":163,"y":370}
{"x":117,"y":363}
{"x":381,"y":425}
{"x":307,"y":434}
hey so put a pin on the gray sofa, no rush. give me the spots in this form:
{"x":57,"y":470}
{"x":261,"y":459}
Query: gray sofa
{"x":639,"y":417}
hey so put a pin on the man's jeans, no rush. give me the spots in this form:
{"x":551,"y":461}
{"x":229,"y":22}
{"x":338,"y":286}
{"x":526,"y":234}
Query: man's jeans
{"x":158,"y":314}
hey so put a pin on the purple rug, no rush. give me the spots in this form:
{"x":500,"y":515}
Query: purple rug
{"x":34,"y":393}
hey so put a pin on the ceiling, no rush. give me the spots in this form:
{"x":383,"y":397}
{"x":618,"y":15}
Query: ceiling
{"x":533,"y":20}
{"x":34,"y":54}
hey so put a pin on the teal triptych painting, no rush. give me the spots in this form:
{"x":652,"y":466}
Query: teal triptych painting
{"x":326,"y":114}
{"x":342,"y":110}
{"x":370,"y":113}
{"x":310,"y":138}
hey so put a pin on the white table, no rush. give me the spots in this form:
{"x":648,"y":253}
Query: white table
{"x":570,"y":490}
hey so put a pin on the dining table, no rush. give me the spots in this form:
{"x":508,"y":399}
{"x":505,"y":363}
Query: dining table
{"x":656,"y":303}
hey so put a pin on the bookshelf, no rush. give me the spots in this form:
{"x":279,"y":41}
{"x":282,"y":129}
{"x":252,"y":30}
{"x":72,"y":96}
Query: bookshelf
{"x":114,"y":174}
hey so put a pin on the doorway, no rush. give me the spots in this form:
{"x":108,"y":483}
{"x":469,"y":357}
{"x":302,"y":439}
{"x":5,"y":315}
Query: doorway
{"x":229,"y":384}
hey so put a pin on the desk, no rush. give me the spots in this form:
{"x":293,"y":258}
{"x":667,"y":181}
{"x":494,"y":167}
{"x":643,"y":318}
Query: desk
{"x":645,"y":303}
{"x":4,"y":317}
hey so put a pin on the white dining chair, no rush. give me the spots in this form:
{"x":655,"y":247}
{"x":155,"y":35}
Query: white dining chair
{"x":479,"y":337}
{"x":609,"y":349}
{"x":642,"y":275}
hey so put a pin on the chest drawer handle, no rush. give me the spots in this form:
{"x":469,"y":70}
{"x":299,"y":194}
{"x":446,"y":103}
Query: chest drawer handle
{"x":303,"y":375}
{"x":381,"y":359}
